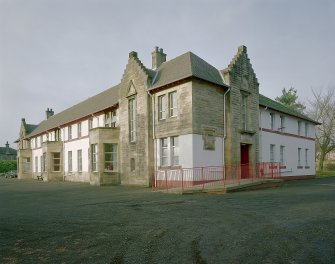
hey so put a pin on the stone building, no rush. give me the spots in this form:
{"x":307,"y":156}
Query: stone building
{"x":180,"y":113}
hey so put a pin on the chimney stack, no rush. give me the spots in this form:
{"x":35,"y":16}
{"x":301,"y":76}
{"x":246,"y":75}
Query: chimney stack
{"x":158,"y":57}
{"x":49,"y":113}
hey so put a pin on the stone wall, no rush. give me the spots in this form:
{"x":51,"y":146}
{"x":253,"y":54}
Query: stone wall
{"x":134,"y":84}
{"x":242,"y":81}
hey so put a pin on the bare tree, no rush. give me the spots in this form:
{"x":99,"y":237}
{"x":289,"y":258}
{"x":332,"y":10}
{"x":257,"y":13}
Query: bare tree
{"x":322,"y":109}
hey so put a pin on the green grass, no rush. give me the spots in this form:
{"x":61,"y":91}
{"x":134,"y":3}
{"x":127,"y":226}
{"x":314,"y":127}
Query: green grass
{"x":322,"y":174}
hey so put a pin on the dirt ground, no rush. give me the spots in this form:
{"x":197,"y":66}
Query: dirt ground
{"x":77,"y":223}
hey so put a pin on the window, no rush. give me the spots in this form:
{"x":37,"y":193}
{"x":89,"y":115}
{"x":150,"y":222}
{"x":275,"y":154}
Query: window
{"x":244,"y":112}
{"x":43,"y":162}
{"x":174,"y":151}
{"x":35,"y":141}
{"x":26,"y":165}
{"x":79,"y":160}
{"x":162,"y":107}
{"x":69,"y":161}
{"x":94,"y":149}
{"x":90,"y":123}
{"x":57,"y":135}
{"x":114,"y":118}
{"x":173,"y":104}
{"x":164,"y":152}
{"x":132,"y":164}
{"x":36,"y":164}
{"x":282,"y":123}
{"x":69,"y":132}
{"x":110,"y":157}
{"x":282,"y":149}
{"x":306,"y":129}
{"x":299,"y":128}
{"x":272,"y":153}
{"x":299,"y":156}
{"x":108,"y":119}
{"x":306,"y":157}
{"x":55,"y":161}
{"x":132,"y":119}
{"x":79,"y":129}
{"x":272,"y":115}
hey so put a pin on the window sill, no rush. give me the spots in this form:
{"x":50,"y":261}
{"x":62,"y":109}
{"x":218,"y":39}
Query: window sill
{"x":244,"y":131}
{"x":109,"y":171}
{"x":169,"y":167}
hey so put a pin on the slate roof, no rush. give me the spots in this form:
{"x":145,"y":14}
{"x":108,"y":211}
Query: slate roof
{"x":30,"y":128}
{"x":85,"y":108}
{"x":184,"y":66}
{"x":267,"y":102}
{"x":11,"y":151}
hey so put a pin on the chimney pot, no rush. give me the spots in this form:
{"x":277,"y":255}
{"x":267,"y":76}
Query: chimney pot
{"x":158,"y":57}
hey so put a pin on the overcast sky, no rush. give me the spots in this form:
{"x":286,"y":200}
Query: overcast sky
{"x":56,"y":53}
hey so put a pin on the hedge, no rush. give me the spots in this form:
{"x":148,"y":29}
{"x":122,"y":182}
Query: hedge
{"x":7,"y":165}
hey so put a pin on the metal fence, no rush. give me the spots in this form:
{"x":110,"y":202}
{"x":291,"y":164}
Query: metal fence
{"x":215,"y":176}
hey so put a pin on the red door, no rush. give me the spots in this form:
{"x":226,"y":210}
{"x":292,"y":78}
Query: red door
{"x":244,"y":161}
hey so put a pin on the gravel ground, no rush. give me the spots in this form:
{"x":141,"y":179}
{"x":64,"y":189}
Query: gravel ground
{"x":77,"y":223}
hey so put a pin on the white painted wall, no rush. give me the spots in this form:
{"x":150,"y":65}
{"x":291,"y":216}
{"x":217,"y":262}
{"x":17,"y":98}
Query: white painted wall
{"x":192,"y":154}
{"x":291,"y":142}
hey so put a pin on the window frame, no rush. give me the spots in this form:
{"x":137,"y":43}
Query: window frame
{"x":53,"y":158}
{"x":162,"y":107}
{"x":94,"y":157}
{"x":113,"y":161}
{"x":69,"y":132}
{"x":173,"y":104}
{"x":174,"y":149}
{"x":132,"y":119}
{"x":272,"y":152}
{"x":79,"y":160}
{"x":164,"y":152}
{"x":69,"y":161}
{"x":79,"y":131}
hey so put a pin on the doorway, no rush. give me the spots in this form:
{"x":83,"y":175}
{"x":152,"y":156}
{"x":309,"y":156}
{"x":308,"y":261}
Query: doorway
{"x":244,"y":161}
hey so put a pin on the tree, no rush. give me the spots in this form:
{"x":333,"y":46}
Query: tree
{"x":289,"y":98}
{"x":322,"y":110}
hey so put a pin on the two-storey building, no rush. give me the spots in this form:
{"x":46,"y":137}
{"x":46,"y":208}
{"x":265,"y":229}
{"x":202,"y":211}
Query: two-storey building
{"x":181,"y":113}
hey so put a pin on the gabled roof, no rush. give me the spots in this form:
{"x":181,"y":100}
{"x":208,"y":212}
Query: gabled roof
{"x":184,"y":66}
{"x":274,"y":105}
{"x":85,"y":108}
{"x":30,"y":128}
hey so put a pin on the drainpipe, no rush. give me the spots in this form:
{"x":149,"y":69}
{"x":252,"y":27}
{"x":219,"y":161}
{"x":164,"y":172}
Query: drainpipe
{"x":224,"y":130}
{"x":153,"y":131}
{"x":260,"y":135}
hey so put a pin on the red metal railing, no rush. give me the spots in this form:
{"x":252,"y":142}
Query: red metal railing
{"x":215,"y":176}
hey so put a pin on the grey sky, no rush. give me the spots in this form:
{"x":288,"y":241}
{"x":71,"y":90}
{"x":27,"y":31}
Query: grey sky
{"x":56,"y":53}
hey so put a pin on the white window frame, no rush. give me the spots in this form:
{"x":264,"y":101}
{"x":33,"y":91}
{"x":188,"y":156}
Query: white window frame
{"x":272,"y":152}
{"x":94,"y":156}
{"x":282,"y":123}
{"x":79,"y":130}
{"x":282,"y":155}
{"x":69,"y":132}
{"x":162,"y":107}
{"x":69,"y":161}
{"x":79,"y":160}
{"x":273,"y":120}
{"x":174,"y":143}
{"x":164,"y":152}
{"x":173,"y":105}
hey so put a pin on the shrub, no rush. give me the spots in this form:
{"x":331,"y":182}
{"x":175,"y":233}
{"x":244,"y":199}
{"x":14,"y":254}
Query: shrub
{"x":330,"y":166}
{"x":7,"y":165}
